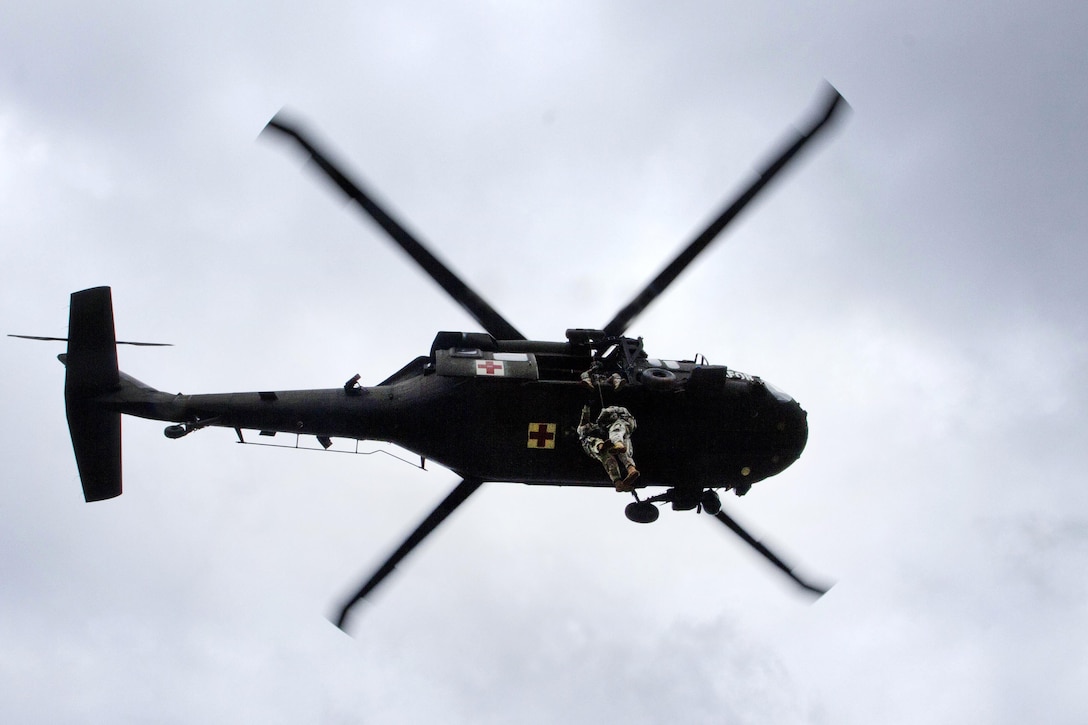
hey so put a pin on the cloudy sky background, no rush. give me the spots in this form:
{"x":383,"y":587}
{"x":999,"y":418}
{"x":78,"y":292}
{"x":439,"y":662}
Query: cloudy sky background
{"x":916,"y":284}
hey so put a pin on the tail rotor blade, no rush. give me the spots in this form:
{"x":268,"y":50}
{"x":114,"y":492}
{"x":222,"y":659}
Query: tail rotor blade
{"x":119,"y":342}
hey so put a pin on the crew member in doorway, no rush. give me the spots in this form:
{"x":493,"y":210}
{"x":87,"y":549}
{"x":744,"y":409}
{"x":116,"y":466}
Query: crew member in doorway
{"x":608,"y":439}
{"x":596,"y":377}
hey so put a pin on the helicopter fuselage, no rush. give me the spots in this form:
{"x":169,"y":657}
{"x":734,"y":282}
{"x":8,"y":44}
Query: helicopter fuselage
{"x":510,"y":410}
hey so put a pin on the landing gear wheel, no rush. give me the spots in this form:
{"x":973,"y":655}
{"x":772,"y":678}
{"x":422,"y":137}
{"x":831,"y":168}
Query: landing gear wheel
{"x":710,"y":502}
{"x":642,"y":512}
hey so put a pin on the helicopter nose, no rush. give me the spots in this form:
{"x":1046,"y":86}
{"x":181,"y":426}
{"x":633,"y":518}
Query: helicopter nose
{"x":782,"y":434}
{"x":793,"y":425}
{"x":790,"y":423}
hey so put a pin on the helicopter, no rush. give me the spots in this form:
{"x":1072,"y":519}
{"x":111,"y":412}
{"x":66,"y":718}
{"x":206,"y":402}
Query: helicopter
{"x":490,"y":406}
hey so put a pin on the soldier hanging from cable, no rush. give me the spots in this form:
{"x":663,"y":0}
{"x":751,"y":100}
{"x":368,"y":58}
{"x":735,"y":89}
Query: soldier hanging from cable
{"x":609,"y":441}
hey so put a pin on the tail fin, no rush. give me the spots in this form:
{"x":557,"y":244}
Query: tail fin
{"x":91,"y":373}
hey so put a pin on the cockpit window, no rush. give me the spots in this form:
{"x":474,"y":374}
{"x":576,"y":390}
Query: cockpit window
{"x":780,"y":395}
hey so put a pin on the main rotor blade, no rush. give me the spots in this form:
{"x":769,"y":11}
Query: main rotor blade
{"x":619,"y":324}
{"x":444,"y":509}
{"x":475,"y":305}
{"x":770,"y":556}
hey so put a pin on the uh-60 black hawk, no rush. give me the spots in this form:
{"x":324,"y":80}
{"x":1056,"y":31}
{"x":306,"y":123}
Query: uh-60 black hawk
{"x":489,"y":406}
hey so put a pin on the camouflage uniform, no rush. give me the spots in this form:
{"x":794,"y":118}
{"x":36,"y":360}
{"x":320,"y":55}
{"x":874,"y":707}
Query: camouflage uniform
{"x":609,"y":441}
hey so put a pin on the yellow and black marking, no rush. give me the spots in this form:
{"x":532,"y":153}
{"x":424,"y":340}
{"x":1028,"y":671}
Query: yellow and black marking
{"x":541,"y":435}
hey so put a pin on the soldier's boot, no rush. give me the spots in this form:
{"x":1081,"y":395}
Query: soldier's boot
{"x":628,"y":484}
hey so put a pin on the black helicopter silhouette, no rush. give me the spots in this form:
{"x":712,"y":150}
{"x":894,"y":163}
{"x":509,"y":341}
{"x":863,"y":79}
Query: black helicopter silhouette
{"x":489,"y":406}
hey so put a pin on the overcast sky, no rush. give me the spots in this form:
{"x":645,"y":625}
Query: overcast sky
{"x":917,"y":283}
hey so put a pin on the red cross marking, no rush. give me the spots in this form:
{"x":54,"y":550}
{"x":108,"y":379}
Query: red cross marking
{"x":488,"y":367}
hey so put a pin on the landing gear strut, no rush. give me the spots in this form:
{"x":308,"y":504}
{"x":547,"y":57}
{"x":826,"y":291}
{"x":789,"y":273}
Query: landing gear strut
{"x":645,"y":512}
